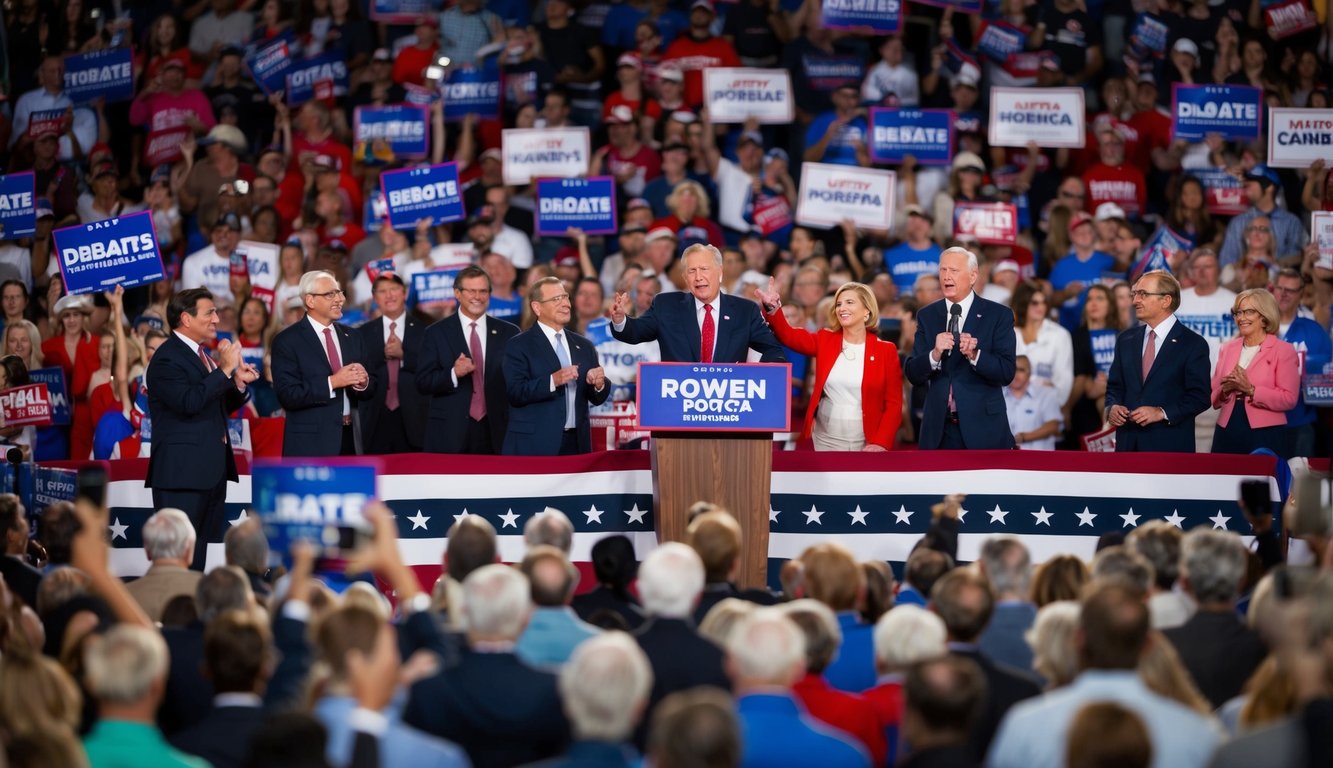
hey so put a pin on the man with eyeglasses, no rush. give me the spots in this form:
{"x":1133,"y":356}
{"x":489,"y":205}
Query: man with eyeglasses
{"x":460,"y":371}
{"x":1314,"y":349}
{"x":551,"y":377}
{"x":1159,"y":379}
{"x":1205,"y":308}
{"x":1262,"y":185}
{"x":319,"y":375}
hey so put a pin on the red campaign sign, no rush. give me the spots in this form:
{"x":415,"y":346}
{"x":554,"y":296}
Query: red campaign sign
{"x":1100,"y":442}
{"x":24,"y":406}
{"x":989,"y":223}
{"x":265,"y":295}
{"x":165,"y":147}
{"x":1289,"y":18}
{"x":772,"y":214}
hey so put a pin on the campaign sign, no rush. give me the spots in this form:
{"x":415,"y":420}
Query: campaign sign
{"x":434,"y":286}
{"x":1148,"y":37}
{"x":51,"y":485}
{"x":1224,"y":194}
{"x":736,"y":94}
{"x":989,"y":223}
{"x":374,"y":268}
{"x":883,"y":17}
{"x":1321,"y":234}
{"x":1231,"y":111}
{"x":469,"y":90}
{"x":270,"y":63}
{"x":403,"y":126}
{"x":399,"y":11}
{"x":959,"y":6}
{"x":1052,"y":117}
{"x":318,"y":77}
{"x":589,"y":204}
{"x":1168,"y":239}
{"x":999,"y":40}
{"x":1317,"y":388}
{"x":431,"y":193}
{"x":926,"y":134}
{"x":533,"y":152}
{"x":453,"y":255}
{"x":304,"y":500}
{"x":1289,"y":18}
{"x":1298,"y":137}
{"x":106,"y":74}
{"x":745,"y":397}
{"x":47,"y":121}
{"x":116,"y":251}
{"x":54,"y":381}
{"x":261,"y":262}
{"x":28,"y":405}
{"x":832,"y":193}
{"x":18,"y":212}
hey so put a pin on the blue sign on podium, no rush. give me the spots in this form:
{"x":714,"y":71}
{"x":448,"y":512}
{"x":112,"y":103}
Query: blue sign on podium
{"x":716,"y":397}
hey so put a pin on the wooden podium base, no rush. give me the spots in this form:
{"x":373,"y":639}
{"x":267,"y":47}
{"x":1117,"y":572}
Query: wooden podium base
{"x":731,"y":470}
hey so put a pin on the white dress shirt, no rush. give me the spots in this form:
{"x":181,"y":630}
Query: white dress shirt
{"x":319,"y":333}
{"x":467,"y":340}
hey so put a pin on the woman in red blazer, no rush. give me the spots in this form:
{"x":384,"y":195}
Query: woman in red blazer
{"x":857,"y":400}
{"x":1257,"y":379}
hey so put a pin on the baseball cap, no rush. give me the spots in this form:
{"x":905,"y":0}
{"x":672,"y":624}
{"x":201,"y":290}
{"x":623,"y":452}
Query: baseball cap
{"x":335,"y":245}
{"x":659,"y":233}
{"x":704,"y":4}
{"x":671,"y":72}
{"x":1146,"y":78}
{"x":1079,"y":219}
{"x":916,"y":210}
{"x":483,"y":215}
{"x":634,"y":229}
{"x":620,"y":115}
{"x":630,"y":59}
{"x":493,"y":153}
{"x":225,"y":134}
{"x":44,"y":209}
{"x":230,"y":221}
{"x":389,"y":275}
{"x":325,"y":163}
{"x":173,"y":62}
{"x":753,"y":136}
{"x":382,"y":54}
{"x":1005,"y":265}
{"x":637,"y":202}
{"x":1263,"y":174}
{"x":776,"y":153}
{"x":1107,"y":211}
{"x":567,"y":256}
{"x":105,"y":169}
{"x":969,"y":161}
{"x":1186,"y":45}
{"x":428,"y":20}
{"x":968,"y":75}
{"x":672,"y":146}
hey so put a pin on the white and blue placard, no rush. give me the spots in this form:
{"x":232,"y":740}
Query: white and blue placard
{"x":1052,"y":117}
{"x":830,"y":194}
{"x":737,"y":94}
{"x":304,"y":500}
{"x":54,"y":379}
{"x":998,"y":40}
{"x":1298,"y":137}
{"x":471,"y":90}
{"x":926,"y":134}
{"x":404,"y":126}
{"x":530,"y":153}
{"x":399,"y":11}
{"x":588,"y":204}
{"x":103,"y":254}
{"x":306,"y":75}
{"x":883,"y":17}
{"x":746,"y":397}
{"x":434,"y":286}
{"x":271,"y":62}
{"x":107,"y":74}
{"x":18,"y":210}
{"x":431,"y":192}
{"x":1231,"y":111}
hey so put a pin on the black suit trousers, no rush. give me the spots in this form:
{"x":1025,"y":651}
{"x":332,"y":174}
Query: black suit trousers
{"x":206,"y":510}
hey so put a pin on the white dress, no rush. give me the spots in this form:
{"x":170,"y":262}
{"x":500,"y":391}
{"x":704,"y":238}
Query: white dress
{"x":839,"y":425}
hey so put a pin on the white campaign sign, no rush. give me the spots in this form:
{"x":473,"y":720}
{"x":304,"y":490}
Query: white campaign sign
{"x":832,"y":193}
{"x":1052,"y":117}
{"x":1321,"y":234}
{"x":1298,"y":137}
{"x":262,"y":261}
{"x":556,"y":152}
{"x":735,"y":94}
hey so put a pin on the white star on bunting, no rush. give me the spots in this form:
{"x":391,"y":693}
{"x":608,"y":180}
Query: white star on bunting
{"x":1131,"y":519}
{"x":509,"y":519}
{"x":593,"y":514}
{"x":1219,"y":520}
{"x":773,"y":514}
{"x":997,"y":514}
{"x":118,"y":530}
{"x":241,"y":518}
{"x":858,"y":516}
{"x":903,"y":515}
{"x":962,"y":513}
{"x":635,"y":514}
{"x":458,"y":518}
{"x":419,"y":520}
{"x":813,"y":516}
{"x":1175,"y":518}
{"x":1043,"y":517}
{"x":1085,"y":518}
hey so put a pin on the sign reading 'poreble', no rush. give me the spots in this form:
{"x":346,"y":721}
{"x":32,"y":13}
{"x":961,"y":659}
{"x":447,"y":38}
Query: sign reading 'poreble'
{"x":1298,"y":137}
{"x":1231,"y":111}
{"x":431,"y":193}
{"x":402,"y":126}
{"x":103,"y":254}
{"x":736,"y":94}
{"x":530,"y":153}
{"x":587,"y":204}
{"x":1052,"y":117}
{"x":925,"y":134}
{"x":747,"y":397}
{"x":830,"y":194}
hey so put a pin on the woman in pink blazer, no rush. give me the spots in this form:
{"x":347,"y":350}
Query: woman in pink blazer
{"x":1257,"y":379}
{"x":857,"y":401}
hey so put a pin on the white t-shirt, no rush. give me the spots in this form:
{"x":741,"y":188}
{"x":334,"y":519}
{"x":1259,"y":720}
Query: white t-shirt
{"x":1210,"y":317}
{"x":885,"y":80}
{"x":205,"y":268}
{"x":513,"y":243}
{"x":733,"y":190}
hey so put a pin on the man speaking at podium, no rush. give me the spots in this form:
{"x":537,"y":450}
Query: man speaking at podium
{"x":964,"y":351}
{"x":702,"y":326}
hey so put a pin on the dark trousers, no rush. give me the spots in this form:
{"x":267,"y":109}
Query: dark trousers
{"x":206,"y":510}
{"x":569,"y":443}
{"x":952,"y":439}
{"x":348,"y":447}
{"x":477,"y":440}
{"x":387,"y":434}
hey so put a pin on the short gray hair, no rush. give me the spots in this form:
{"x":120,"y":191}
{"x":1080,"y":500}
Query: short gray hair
{"x":1008,"y":565}
{"x":496,"y":601}
{"x":767,"y":647}
{"x":551,"y":527}
{"x":670,"y":580}
{"x":246,"y":547}
{"x":122,"y":665}
{"x":972,"y":262}
{"x":604,"y":687}
{"x":717,"y":255}
{"x":221,"y":590}
{"x":168,"y":534}
{"x":1126,"y":566}
{"x":1214,"y":563}
{"x":308,"y":280}
{"x":908,"y":634}
{"x":1159,"y":541}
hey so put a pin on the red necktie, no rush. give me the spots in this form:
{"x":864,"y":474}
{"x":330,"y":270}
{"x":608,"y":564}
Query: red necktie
{"x":335,"y":362}
{"x":1149,"y":353}
{"x":477,"y":408}
{"x":709,"y":331}
{"x":209,"y":365}
{"x":391,"y":397}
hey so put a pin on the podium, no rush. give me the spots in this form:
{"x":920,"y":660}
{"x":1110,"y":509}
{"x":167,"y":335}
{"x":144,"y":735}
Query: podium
{"x":712,"y":428}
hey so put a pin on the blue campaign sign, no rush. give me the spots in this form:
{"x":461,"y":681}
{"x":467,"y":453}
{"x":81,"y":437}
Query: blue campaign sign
{"x":51,"y":485}
{"x":271,"y":62}
{"x":926,"y":134}
{"x":311,"y":500}
{"x":318,"y":77}
{"x":436,"y":285}
{"x":403,"y":126}
{"x":961,"y":6}
{"x":1232,"y":111}
{"x":54,"y":379}
{"x":745,"y":397}
{"x":399,"y":11}
{"x":101,"y":255}
{"x":999,"y":40}
{"x":884,"y":17}
{"x":589,"y":204}
{"x":471,"y":90}
{"x":107,"y":74}
{"x":18,"y":211}
{"x":431,"y":192}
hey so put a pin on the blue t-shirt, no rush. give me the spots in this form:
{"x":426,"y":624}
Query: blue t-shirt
{"x":1070,"y":269}
{"x":841,"y":149}
{"x":1103,"y":348}
{"x":1316,"y":349}
{"x":906,"y":263}
{"x":623,"y":18}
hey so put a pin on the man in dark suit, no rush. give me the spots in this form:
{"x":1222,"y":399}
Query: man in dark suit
{"x":551,"y":376}
{"x":964,"y":352}
{"x":1159,"y":378}
{"x":393,"y":420}
{"x":461,"y":370}
{"x":319,"y":375}
{"x":682,"y":322}
{"x":236,"y":661}
{"x":189,"y":397}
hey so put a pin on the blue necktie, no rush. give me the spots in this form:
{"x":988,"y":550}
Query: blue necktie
{"x":563,"y":354}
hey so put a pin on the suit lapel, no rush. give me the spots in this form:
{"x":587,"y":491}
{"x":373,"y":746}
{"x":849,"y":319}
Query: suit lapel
{"x":692,"y":332}
{"x":1136,"y":359}
{"x":307,"y":330}
{"x":492,"y":351}
{"x":1168,"y":348}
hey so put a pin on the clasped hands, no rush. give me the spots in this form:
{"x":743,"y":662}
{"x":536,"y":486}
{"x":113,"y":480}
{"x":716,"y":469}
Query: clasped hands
{"x":351,"y":375}
{"x":596,"y":377}
{"x":966,"y":345}
{"x":229,"y":359}
{"x":1237,"y":382}
{"x":1143,"y":415}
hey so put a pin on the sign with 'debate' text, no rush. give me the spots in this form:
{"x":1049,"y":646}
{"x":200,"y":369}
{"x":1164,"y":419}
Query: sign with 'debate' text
{"x":587,"y":204}
{"x":883,"y":17}
{"x":18,"y":211}
{"x":1231,"y":111}
{"x":309,"y":501}
{"x":925,"y":134}
{"x":103,"y":254}
{"x":403,"y":126}
{"x":748,"y":397}
{"x":106,"y":74}
{"x":431,"y":193}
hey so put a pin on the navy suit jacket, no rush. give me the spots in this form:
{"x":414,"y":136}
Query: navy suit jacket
{"x":188,"y":406}
{"x":536,"y":414}
{"x":673,"y":322}
{"x":1178,"y":384}
{"x":301,"y":374}
{"x":223,"y":736}
{"x":411,"y":404}
{"x":443,"y":342}
{"x":978,"y":390}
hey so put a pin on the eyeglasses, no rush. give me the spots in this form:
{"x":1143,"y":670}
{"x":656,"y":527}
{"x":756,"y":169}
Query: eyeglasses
{"x":1146,"y":294}
{"x":1239,"y":313}
{"x":330,"y":295}
{"x":475,"y":291}
{"x":1258,"y":229}
{"x":562,"y":297}
{"x":1287,"y":291}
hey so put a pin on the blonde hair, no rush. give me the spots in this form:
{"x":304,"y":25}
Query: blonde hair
{"x":867,"y":298}
{"x":701,"y":210}
{"x":34,"y":360}
{"x":1265,"y":303}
